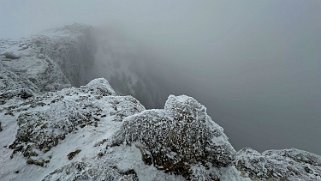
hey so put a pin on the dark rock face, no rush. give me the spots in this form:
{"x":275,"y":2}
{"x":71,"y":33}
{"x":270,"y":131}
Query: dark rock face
{"x":177,"y":137}
{"x":87,"y":171}
{"x":289,"y":164}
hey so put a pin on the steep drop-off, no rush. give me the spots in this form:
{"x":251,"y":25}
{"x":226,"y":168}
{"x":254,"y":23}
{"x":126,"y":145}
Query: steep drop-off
{"x":50,"y":130}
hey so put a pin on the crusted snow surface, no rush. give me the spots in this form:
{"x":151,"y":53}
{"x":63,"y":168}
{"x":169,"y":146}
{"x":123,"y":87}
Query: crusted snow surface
{"x":74,"y":121}
{"x":78,"y":134}
{"x":64,"y":112}
{"x":52,"y":131}
{"x":45,"y":122}
{"x":87,"y":171}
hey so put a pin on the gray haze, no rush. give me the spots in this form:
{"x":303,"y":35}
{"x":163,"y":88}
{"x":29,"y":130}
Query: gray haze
{"x":256,"y":65}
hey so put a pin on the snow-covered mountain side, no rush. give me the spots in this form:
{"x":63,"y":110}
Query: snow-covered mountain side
{"x":50,"y":130}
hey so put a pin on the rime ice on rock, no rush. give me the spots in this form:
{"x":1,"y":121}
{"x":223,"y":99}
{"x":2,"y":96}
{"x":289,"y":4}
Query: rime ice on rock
{"x":177,"y":137}
{"x":288,"y":164}
{"x":51,"y":117}
{"x":101,"y":86}
{"x":41,"y":125}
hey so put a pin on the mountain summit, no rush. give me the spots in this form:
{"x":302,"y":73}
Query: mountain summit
{"x":54,"y":128}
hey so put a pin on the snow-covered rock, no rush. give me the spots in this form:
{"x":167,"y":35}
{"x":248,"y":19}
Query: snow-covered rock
{"x":87,"y":171}
{"x":177,"y":137}
{"x":10,"y":55}
{"x":288,"y":164}
{"x":44,"y":62}
{"x":10,"y":81}
{"x":52,"y":131}
{"x":44,"y":121}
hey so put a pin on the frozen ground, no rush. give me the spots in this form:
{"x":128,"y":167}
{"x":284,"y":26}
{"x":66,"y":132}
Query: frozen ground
{"x":52,"y":131}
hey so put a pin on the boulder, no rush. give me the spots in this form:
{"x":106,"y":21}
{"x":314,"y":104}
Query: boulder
{"x":11,"y":55}
{"x":177,"y":137}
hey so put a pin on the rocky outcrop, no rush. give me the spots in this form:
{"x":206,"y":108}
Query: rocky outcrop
{"x":10,"y":81}
{"x":289,"y":164}
{"x":43,"y":63}
{"x":52,"y":131}
{"x":177,"y":137}
{"x":181,"y":139}
{"x":46,"y":120}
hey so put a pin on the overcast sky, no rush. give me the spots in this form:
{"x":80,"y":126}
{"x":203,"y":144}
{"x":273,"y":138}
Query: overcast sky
{"x":255,"y":64}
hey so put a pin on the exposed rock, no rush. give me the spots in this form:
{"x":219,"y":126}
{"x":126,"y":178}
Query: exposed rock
{"x":72,"y":154}
{"x":289,"y":164}
{"x":45,"y":119}
{"x":40,"y":162}
{"x":65,"y":112}
{"x":87,"y":171}
{"x":177,"y":137}
{"x":22,"y":93}
{"x":10,"y":81}
{"x":48,"y":62}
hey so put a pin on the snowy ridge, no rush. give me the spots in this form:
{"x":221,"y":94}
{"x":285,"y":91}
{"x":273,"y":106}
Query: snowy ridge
{"x":52,"y":131}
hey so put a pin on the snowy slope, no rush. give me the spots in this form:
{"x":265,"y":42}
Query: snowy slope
{"x":52,"y":131}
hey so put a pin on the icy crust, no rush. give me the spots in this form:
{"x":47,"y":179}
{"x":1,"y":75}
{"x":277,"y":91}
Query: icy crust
{"x":288,"y":164}
{"x":118,"y":163}
{"x":177,"y":137}
{"x":91,"y":133}
{"x":46,"y":120}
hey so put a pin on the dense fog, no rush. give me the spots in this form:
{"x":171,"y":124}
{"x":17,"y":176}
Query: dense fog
{"x":255,"y":65}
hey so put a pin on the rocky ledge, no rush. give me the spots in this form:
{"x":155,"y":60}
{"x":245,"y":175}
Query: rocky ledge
{"x":52,"y":131}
